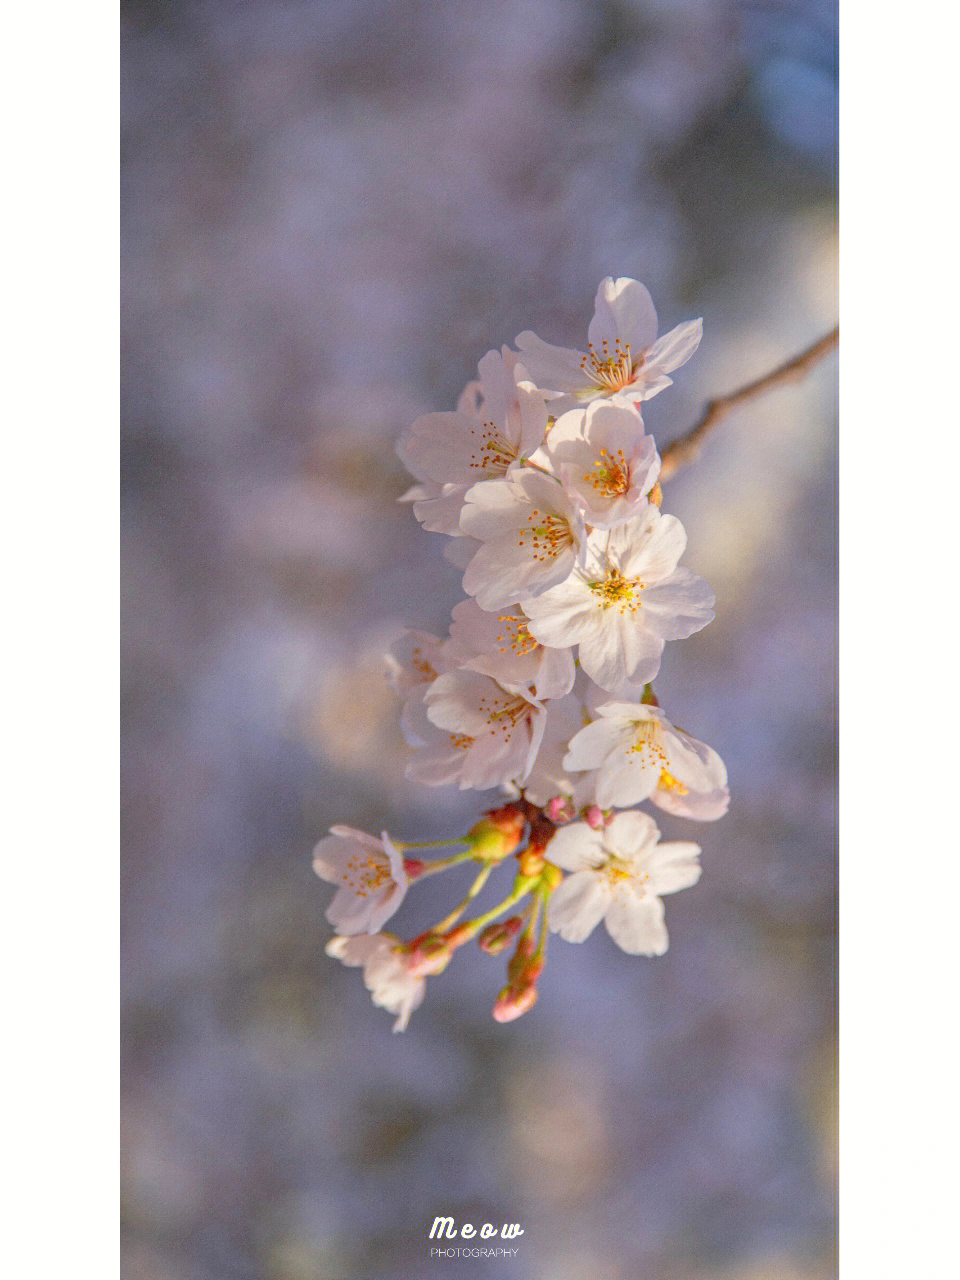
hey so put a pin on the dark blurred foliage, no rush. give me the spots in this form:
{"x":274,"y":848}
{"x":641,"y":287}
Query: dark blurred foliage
{"x":331,"y":210}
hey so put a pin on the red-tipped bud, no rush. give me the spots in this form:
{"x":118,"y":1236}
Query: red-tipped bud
{"x":497,"y":834}
{"x":514,"y":1004}
{"x":413,"y":867}
{"x":520,"y":960}
{"x":497,"y":937}
{"x":560,"y":809}
{"x":593,"y":816}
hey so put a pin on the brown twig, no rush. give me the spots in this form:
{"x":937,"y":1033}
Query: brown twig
{"x":687,"y":448}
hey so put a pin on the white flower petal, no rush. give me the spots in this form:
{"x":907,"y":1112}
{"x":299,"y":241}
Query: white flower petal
{"x":578,"y":905}
{"x":439,"y":506}
{"x":357,"y":949}
{"x":674,"y":866}
{"x":636,"y":924}
{"x":647,"y":385}
{"x":626,"y":778}
{"x":620,"y":647}
{"x":349,"y":913}
{"x":576,"y":847}
{"x":631,"y":834}
{"x":556,"y":674}
{"x":649,"y":546}
{"x":504,"y":570}
{"x":497,"y":385}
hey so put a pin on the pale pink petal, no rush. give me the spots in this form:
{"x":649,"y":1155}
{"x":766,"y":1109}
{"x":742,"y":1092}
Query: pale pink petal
{"x":649,"y":546}
{"x":350,"y":913}
{"x":556,"y":369}
{"x":700,"y":806}
{"x":678,"y":606}
{"x":646,"y":386}
{"x":623,"y":309}
{"x":594,"y":742}
{"x":675,"y":348}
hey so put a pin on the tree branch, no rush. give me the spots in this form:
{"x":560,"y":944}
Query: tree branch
{"x":687,"y":448}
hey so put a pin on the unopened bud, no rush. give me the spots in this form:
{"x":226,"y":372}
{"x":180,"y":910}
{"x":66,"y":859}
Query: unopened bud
{"x":413,"y":867}
{"x":531,"y":861}
{"x":648,"y":698}
{"x":560,"y":809}
{"x":513,"y":1004}
{"x":656,"y":494}
{"x":593,"y":816}
{"x":497,"y":834}
{"x":429,"y":954}
{"x":497,"y":937}
{"x":521,"y":961}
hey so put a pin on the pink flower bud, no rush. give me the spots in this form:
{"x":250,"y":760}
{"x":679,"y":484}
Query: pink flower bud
{"x":497,"y":937}
{"x":413,"y":867}
{"x":559,"y":809}
{"x":593,"y":817}
{"x":514,"y":1004}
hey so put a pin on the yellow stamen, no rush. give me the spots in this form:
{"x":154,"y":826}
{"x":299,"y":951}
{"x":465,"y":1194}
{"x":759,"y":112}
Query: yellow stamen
{"x":611,"y":474}
{"x":670,"y":783}
{"x":610,"y":370}
{"x":617,"y":590}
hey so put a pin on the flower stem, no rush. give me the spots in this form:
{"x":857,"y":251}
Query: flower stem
{"x":521,"y":887}
{"x":428,"y":844}
{"x":444,"y":864}
{"x":449,"y":921}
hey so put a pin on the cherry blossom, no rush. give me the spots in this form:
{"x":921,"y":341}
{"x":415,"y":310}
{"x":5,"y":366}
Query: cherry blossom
{"x":437,"y":506}
{"x":603,"y":455}
{"x":495,"y":730}
{"x":386,"y":972}
{"x":370,"y":874}
{"x":619,"y":874}
{"x":549,"y":778}
{"x":413,"y":662}
{"x":624,"y":356}
{"x":625,"y":602}
{"x":439,"y":756}
{"x":501,"y":646}
{"x":634,"y":753}
{"x":450,"y":452}
{"x":532,"y":535}
{"x":546,"y":480}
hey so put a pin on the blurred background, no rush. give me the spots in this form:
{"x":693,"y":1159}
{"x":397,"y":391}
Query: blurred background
{"x":332,"y":210}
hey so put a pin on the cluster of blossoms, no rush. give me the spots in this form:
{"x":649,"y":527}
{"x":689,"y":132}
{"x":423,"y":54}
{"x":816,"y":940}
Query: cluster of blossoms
{"x":548,"y":483}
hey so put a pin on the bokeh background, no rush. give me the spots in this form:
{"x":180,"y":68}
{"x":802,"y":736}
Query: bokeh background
{"x":332,"y":210}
